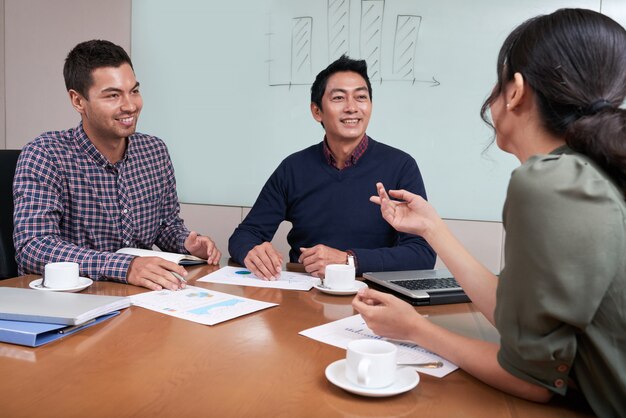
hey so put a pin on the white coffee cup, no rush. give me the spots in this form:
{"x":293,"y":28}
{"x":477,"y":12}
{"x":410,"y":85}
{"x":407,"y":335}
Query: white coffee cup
{"x":62,"y":275}
{"x":339,"y":277}
{"x":371,"y":363}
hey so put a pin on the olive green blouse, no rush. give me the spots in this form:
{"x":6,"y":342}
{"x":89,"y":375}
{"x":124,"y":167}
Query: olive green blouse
{"x":561,"y":298}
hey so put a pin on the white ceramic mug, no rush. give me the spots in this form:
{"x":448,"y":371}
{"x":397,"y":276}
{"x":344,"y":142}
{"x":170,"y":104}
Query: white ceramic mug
{"x":339,"y":277}
{"x":371,"y":363}
{"x":63,"y":275}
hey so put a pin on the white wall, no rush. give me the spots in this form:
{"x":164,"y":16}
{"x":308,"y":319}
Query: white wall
{"x":36,"y":36}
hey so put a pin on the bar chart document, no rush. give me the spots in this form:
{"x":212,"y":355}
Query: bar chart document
{"x":244,"y":277}
{"x":198,"y":305}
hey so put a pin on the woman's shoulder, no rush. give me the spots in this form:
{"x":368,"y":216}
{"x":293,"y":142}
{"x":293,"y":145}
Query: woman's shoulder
{"x":567,"y":174}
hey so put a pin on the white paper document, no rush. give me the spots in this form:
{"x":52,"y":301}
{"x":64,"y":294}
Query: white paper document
{"x":198,"y":305}
{"x":340,"y":333}
{"x":243,"y":277}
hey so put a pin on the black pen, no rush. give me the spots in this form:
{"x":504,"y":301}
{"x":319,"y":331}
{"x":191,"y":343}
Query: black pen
{"x":75,"y":327}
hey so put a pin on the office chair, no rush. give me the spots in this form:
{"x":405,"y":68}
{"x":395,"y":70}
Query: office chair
{"x":8,"y":161}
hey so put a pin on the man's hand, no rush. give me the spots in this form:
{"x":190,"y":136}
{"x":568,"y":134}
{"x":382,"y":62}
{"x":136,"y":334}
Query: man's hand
{"x":264,"y":261}
{"x":202,"y":247}
{"x":155,"y":273}
{"x":315,"y":259}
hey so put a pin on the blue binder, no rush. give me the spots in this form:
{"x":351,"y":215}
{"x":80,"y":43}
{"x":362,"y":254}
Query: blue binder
{"x":34,"y":334}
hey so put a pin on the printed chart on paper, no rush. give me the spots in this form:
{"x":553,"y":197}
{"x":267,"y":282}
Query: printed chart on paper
{"x":198,"y":305}
{"x":340,"y":333}
{"x":243,"y":277}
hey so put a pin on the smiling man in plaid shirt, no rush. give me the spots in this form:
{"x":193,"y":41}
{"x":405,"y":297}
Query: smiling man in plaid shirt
{"x":82,"y":194}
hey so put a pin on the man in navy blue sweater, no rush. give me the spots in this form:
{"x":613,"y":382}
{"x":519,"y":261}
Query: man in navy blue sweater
{"x":324,"y":191}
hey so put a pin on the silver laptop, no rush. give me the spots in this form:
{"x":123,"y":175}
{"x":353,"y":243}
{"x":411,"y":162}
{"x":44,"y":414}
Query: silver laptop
{"x":31,"y":305}
{"x":420,"y":287}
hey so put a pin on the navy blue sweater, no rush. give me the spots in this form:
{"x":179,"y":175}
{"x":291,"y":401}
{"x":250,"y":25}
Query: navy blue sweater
{"x":331,"y":207}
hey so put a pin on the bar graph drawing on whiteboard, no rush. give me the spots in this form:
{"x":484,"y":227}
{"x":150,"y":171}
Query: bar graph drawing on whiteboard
{"x":407,"y":29}
{"x":371,"y":36}
{"x":304,"y":38}
{"x":301,"y":49}
{"x":338,"y":28}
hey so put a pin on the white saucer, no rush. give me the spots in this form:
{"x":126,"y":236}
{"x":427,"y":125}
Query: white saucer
{"x":406,"y":379}
{"x":358,"y":285}
{"x":84,"y":283}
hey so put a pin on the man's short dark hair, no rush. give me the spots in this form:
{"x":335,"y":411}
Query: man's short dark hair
{"x":88,"y":56}
{"x":344,"y":63}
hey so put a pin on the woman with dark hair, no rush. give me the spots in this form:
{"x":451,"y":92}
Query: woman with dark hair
{"x":560,"y":301}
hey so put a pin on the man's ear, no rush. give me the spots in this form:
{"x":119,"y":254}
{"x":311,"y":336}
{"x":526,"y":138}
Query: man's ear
{"x":77,"y":100}
{"x":316,"y":112}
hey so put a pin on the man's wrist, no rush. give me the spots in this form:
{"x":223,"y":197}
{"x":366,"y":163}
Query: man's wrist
{"x":117,"y":267}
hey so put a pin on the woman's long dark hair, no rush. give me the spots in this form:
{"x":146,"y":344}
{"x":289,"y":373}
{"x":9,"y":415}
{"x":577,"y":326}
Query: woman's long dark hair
{"x":575,"y":62}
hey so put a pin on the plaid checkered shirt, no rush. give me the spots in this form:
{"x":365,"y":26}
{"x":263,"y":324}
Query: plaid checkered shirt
{"x":358,"y":152}
{"x":71,"y":204}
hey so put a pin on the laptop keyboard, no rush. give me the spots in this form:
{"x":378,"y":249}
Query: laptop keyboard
{"x":427,"y":284}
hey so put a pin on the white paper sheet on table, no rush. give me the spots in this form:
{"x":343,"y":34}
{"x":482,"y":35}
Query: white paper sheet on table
{"x":340,"y":333}
{"x":242,"y":277}
{"x":198,"y":305}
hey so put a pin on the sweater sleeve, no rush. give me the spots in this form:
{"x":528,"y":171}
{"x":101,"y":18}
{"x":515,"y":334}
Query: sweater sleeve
{"x":411,"y":252}
{"x":261,"y":224}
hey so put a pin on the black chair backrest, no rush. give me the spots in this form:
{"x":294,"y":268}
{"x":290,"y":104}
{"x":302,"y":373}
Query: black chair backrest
{"x":8,"y":161}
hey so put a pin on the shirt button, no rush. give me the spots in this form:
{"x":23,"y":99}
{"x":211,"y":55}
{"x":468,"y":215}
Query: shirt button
{"x":125,"y":211}
{"x":558,"y":383}
{"x":127,"y":242}
{"x":562,"y":368}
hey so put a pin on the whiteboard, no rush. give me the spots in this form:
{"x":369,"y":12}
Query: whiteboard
{"x":226,"y":84}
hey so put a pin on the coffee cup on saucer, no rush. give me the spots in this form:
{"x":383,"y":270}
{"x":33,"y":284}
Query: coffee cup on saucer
{"x":371,"y":363}
{"x":62,"y":275}
{"x":340,"y":277}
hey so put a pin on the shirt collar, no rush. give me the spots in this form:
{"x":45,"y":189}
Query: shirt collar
{"x":90,"y":149}
{"x":358,"y":152}
{"x":563,"y":149}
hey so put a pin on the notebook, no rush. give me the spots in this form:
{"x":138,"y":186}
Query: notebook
{"x":182,"y":259}
{"x":18,"y":304}
{"x":420,"y":287}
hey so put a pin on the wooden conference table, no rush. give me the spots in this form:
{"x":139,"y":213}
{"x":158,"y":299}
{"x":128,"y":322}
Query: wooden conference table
{"x":145,"y":364}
